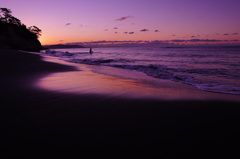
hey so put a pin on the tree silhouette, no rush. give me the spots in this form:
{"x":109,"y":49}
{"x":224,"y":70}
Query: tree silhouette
{"x":6,"y":17}
{"x":4,"y":12}
{"x":14,"y":34}
{"x":35,"y":30}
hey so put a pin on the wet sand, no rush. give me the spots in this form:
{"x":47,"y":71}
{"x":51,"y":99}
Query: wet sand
{"x":38,"y":121}
{"x":121,"y":83}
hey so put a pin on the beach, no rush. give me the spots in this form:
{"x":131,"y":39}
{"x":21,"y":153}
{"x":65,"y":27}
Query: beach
{"x":46,"y":112}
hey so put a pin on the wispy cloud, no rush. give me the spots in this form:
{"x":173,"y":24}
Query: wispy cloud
{"x":123,"y":18}
{"x":67,"y":24}
{"x":156,"y":30}
{"x":231,"y":34}
{"x":115,"y":28}
{"x":201,"y":40}
{"x":132,"y":32}
{"x":144,"y":30}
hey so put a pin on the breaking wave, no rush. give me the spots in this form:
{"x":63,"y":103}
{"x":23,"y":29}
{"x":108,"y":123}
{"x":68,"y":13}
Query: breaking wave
{"x":208,"y":79}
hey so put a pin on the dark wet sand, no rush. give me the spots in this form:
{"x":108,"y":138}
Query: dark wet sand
{"x":36,"y":123}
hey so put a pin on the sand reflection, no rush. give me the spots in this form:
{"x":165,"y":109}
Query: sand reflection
{"x":122,"y":83}
{"x":87,"y":82}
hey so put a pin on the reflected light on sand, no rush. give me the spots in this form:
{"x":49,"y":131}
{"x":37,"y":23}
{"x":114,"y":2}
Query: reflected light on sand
{"x":93,"y":83}
{"x":90,"y":80}
{"x":83,"y":82}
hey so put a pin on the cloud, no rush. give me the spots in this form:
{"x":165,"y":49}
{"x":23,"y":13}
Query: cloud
{"x":193,"y":36}
{"x":132,"y":32}
{"x":105,"y":29}
{"x":178,"y":40}
{"x":144,"y":30}
{"x":123,"y":18}
{"x":116,"y":32}
{"x":115,"y":28}
{"x":198,"y":40}
{"x":231,"y":34}
{"x":156,"y":42}
{"x":156,"y":31}
{"x":67,"y":24}
{"x":205,"y":40}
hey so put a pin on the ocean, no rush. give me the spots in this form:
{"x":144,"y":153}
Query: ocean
{"x":214,"y":69}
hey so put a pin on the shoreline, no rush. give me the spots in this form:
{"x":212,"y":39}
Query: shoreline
{"x":215,"y":77}
{"x":36,"y":123}
{"x":123,"y":83}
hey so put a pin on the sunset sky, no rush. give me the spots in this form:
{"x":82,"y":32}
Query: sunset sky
{"x":67,"y":21}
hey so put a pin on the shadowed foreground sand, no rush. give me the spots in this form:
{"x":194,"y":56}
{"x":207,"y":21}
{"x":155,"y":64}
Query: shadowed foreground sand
{"x":38,"y":123}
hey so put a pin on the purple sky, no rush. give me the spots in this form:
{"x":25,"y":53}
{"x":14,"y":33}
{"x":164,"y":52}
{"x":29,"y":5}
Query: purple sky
{"x":65,"y":21}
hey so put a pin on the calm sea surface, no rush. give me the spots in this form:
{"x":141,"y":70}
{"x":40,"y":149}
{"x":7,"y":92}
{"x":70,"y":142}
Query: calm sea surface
{"x":211,"y":69}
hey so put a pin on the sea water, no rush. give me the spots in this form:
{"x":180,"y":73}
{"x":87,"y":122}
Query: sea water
{"x":215,"y":69}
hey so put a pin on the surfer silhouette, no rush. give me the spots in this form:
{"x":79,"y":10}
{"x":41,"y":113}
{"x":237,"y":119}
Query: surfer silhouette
{"x":90,"y":51}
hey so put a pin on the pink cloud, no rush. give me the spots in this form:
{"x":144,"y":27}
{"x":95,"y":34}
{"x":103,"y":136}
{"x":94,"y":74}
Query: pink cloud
{"x":144,"y":30}
{"x":123,"y":18}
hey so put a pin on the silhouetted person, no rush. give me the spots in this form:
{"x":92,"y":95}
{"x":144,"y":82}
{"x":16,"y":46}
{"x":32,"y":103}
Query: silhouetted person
{"x":90,"y":51}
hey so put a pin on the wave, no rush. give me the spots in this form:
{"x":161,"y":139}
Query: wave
{"x":186,"y":76}
{"x":98,"y":61}
{"x":58,"y":53}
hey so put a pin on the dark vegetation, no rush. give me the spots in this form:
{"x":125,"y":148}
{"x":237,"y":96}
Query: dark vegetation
{"x":15,"y":35}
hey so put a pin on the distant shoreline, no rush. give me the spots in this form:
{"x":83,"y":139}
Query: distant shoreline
{"x":61,"y":46}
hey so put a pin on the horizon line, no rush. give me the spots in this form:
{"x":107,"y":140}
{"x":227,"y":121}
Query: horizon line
{"x":175,"y":42}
